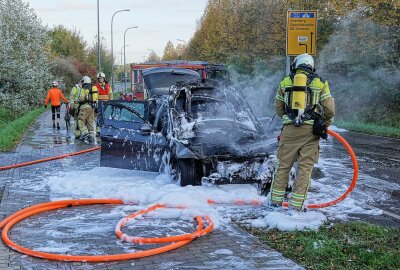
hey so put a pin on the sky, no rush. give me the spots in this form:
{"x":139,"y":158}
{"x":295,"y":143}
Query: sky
{"x":158,"y":21}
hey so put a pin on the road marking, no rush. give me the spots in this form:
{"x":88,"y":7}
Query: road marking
{"x":390,"y":214}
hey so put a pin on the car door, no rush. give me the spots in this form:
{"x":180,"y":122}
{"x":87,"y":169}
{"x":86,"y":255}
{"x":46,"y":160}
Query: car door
{"x":128,"y":141}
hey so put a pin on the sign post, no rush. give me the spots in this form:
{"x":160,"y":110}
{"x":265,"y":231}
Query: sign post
{"x":301,"y":33}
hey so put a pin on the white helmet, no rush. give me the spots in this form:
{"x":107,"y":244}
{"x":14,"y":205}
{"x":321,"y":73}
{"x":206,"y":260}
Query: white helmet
{"x":304,"y":61}
{"x":101,"y":75}
{"x":54,"y":83}
{"x":86,"y":79}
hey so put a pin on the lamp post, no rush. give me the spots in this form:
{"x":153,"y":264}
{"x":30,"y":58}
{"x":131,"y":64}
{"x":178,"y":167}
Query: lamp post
{"x":125,"y":56}
{"x":122,"y":60}
{"x":98,"y":39}
{"x":112,"y":49}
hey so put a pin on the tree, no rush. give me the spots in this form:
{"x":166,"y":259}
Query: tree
{"x":106,"y":59}
{"x":169,"y":52}
{"x":67,"y":43}
{"x":153,"y":57}
{"x":25,"y":75}
{"x":65,"y":71}
{"x":181,"y":52}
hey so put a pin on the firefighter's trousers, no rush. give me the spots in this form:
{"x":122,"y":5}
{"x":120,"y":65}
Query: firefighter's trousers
{"x":296,"y":143}
{"x":77,"y":132}
{"x":86,"y":120}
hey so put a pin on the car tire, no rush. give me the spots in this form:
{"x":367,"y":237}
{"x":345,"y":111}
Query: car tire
{"x":188,"y":172}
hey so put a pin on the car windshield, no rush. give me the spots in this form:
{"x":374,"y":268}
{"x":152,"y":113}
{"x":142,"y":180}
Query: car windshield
{"x":207,"y":108}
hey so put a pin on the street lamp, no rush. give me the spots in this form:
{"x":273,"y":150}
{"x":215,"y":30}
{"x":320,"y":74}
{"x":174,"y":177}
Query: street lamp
{"x":125,"y":56}
{"x":182,"y":41}
{"x":112,"y":49}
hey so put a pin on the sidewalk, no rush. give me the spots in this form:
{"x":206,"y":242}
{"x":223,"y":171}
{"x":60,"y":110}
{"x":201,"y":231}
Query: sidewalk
{"x":224,"y":248}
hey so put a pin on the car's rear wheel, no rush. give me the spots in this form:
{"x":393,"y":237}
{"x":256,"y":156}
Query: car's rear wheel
{"x":189,"y":173}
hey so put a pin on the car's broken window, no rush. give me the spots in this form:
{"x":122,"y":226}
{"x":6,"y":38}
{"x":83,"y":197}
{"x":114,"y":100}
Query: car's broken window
{"x":118,"y":113}
{"x":205,"y":108}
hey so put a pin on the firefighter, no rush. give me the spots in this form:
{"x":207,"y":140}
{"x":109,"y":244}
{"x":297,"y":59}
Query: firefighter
{"x":87,"y":102}
{"x":305,"y":104}
{"x":104,"y":94}
{"x":54,"y":95}
{"x":74,"y":98}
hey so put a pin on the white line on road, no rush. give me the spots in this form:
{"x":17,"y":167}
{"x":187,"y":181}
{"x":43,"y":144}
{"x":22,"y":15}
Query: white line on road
{"x":390,"y":214}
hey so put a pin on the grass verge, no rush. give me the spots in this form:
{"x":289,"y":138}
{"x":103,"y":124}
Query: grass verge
{"x":12,"y":130}
{"x":373,"y":129}
{"x":353,"y":245}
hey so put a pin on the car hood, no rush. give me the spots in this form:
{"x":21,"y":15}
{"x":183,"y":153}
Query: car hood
{"x":226,"y":137}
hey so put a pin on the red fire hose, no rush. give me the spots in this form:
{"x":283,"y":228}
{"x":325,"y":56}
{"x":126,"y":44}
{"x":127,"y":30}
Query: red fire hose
{"x":23,"y":164}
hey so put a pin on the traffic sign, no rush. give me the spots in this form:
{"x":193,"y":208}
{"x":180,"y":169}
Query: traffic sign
{"x":301,"y":33}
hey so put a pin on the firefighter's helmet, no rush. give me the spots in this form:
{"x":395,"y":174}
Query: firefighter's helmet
{"x":86,"y":80}
{"x":101,"y":75}
{"x":303,"y":61}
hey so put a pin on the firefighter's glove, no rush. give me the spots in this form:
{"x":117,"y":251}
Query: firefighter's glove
{"x":319,"y":128}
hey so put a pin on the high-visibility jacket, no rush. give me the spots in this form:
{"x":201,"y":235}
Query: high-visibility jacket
{"x":320,"y":95}
{"x":87,"y":98}
{"x":104,"y":91}
{"x":55,"y":95}
{"x":75,"y":93}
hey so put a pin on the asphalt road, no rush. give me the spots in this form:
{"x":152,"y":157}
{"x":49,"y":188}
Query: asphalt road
{"x":379,"y":167}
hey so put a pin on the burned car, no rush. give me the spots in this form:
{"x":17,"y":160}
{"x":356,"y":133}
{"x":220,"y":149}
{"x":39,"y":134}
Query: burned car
{"x":197,"y":130}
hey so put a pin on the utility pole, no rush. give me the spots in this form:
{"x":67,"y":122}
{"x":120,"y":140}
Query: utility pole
{"x":98,"y":39}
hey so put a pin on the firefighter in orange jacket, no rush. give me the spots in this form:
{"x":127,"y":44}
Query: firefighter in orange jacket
{"x":54,"y":95}
{"x":104,"y":90}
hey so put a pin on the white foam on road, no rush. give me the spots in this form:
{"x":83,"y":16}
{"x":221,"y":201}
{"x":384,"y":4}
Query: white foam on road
{"x":336,"y":129}
{"x":291,"y":220}
{"x":145,"y":188}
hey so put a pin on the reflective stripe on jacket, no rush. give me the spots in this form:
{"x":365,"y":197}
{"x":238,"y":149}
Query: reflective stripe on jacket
{"x":75,"y":93}
{"x":55,"y":95}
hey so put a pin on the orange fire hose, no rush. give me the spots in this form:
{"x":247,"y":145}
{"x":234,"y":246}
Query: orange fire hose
{"x":141,"y":240}
{"x":23,"y":164}
{"x":24,"y":213}
{"x":353,"y":182}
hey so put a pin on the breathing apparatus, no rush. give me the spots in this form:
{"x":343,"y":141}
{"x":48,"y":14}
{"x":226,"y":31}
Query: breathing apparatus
{"x":299,"y":97}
